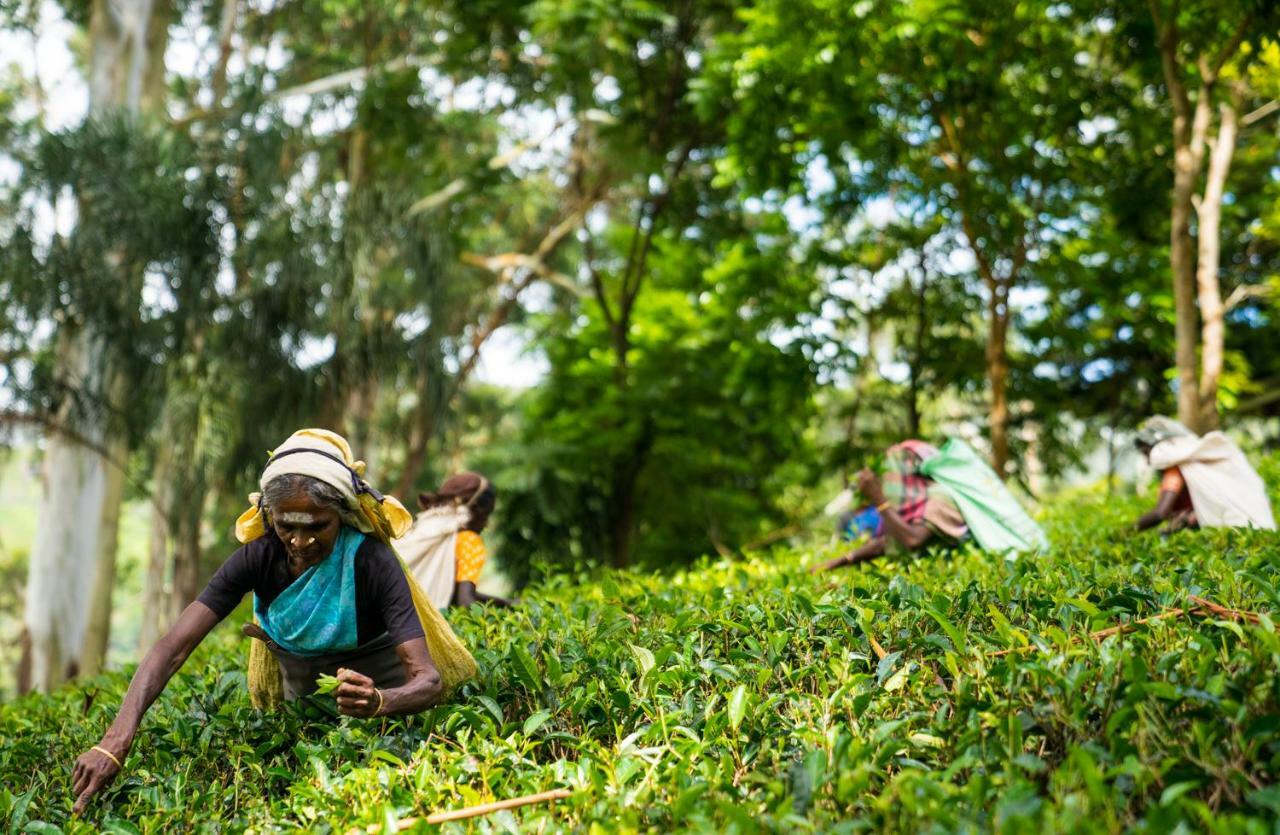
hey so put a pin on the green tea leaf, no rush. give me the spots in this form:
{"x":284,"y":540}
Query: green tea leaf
{"x":536,"y":721}
{"x":737,"y":706}
{"x":326,"y":684}
{"x":644,"y":659}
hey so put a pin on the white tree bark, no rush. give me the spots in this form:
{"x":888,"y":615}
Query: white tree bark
{"x":155,"y":590}
{"x":1212,"y":311}
{"x":72,"y":564}
{"x":60,"y":572}
{"x":97,"y":631}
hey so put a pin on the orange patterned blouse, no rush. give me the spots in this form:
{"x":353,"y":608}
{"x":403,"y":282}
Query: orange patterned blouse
{"x":470,"y":553}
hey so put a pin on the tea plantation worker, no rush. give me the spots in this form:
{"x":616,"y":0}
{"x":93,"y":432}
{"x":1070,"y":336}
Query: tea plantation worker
{"x":913,"y":510}
{"x":444,"y":549}
{"x":330,"y":597}
{"x":1204,"y":481}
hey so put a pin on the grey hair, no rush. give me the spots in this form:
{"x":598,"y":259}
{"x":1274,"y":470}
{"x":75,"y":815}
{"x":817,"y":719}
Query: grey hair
{"x":285,"y":487}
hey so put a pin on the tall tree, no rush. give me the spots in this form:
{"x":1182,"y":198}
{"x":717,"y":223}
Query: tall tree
{"x":1205,"y":48}
{"x":965,"y":110}
{"x":72,"y":566}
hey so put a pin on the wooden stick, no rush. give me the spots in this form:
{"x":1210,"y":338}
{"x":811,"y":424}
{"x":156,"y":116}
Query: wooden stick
{"x":471,"y":811}
{"x":1126,"y":627}
{"x":1104,"y":633}
{"x":1224,"y":612}
{"x":486,"y":808}
{"x":1202,"y":607}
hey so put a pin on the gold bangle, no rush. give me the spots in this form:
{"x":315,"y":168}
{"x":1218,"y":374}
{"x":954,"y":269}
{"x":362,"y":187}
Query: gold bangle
{"x":883,"y":506}
{"x":379,"y":710}
{"x":112,"y":756}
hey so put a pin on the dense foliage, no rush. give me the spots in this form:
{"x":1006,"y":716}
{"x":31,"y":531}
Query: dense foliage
{"x":744,"y":693}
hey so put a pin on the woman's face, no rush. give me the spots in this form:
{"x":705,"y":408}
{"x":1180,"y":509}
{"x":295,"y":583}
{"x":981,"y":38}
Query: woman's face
{"x":307,"y":529}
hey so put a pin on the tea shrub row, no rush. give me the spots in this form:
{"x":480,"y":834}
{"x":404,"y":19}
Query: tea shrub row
{"x":746,"y":696}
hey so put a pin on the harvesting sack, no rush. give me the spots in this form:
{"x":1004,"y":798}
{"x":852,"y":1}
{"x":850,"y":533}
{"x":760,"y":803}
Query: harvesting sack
{"x":326,"y":457}
{"x":994,"y":517}
{"x":429,"y":550}
{"x":1226,"y":491}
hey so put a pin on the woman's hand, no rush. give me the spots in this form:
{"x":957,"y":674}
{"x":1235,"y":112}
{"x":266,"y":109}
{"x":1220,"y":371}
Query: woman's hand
{"x":869,"y":487}
{"x":95,"y":770}
{"x":92,"y":773}
{"x":356,"y":695}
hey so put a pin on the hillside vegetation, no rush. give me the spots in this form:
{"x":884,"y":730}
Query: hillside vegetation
{"x":747,"y":695}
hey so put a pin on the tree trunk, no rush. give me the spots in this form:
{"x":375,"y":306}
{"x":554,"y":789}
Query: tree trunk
{"x":137,"y":42}
{"x":357,"y":420}
{"x":998,"y":372}
{"x":153,"y":614}
{"x":1184,"y":298}
{"x":1209,"y":215}
{"x":60,"y":570}
{"x":93,"y":655}
{"x":188,"y":576}
{"x":154,"y":611}
{"x":622,"y":500}
{"x":72,"y":563}
{"x":622,"y":519}
{"x":917,"y":354}
{"x":1189,"y":131}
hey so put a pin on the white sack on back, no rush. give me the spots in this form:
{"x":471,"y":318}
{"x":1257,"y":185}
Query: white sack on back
{"x":1226,"y":491}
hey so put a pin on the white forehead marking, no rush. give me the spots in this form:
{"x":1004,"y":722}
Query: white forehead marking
{"x":297,"y":518}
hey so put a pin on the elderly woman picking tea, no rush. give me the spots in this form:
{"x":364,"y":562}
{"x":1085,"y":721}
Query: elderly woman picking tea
{"x":331,"y":597}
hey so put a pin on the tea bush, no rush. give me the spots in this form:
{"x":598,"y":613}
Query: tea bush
{"x":746,"y":696}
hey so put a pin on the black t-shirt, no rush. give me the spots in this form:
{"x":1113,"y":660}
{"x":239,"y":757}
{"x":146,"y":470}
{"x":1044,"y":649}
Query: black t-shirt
{"x":383,"y":601}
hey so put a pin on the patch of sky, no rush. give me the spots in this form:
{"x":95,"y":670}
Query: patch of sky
{"x":49,"y":64}
{"x":1248,"y":314}
{"x":508,"y":360}
{"x":1093,"y":129}
{"x":1045,"y":371}
{"x":412,"y":323}
{"x":157,"y":295}
{"x":311,"y":350}
{"x":607,"y":90}
{"x":1095,"y":371}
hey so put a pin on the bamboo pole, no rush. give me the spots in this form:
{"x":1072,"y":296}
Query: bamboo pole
{"x":498,"y":806}
{"x":471,"y":811}
{"x":1201,"y":607}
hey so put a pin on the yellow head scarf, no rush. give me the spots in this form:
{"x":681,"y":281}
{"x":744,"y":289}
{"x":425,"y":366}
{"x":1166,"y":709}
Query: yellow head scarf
{"x":326,"y":456}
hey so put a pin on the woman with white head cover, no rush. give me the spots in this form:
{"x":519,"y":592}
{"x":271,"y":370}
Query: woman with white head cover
{"x":1204,"y":481}
{"x":331,"y":597}
{"x":443,"y":549}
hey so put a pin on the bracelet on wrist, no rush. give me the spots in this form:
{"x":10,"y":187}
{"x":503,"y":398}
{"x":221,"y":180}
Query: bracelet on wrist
{"x":109,"y":756}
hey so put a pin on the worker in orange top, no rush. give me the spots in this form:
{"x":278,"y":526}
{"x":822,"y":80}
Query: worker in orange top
{"x":479,"y":496}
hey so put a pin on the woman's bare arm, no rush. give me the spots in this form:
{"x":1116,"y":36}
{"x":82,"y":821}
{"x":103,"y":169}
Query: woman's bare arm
{"x":909,"y":536}
{"x":875,"y":547}
{"x":94,"y":770}
{"x":1163,"y":510}
{"x":465,"y":594}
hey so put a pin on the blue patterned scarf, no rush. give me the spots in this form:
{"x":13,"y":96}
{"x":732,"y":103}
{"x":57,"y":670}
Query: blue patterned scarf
{"x":316,"y":614}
